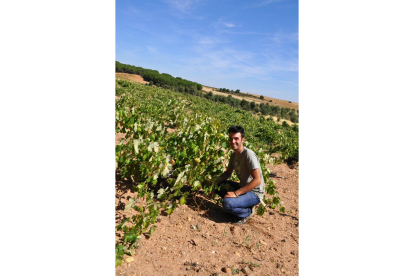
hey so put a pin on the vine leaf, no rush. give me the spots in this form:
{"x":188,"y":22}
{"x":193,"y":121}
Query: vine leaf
{"x":130,"y":204}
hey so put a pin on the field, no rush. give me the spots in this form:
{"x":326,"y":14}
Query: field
{"x":240,"y":96}
{"x":255,"y":98}
{"x":194,"y":236}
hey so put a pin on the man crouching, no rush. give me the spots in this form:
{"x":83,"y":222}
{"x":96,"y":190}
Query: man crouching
{"x":239,"y":198}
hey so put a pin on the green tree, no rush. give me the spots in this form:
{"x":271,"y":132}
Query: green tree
{"x":252,"y":105}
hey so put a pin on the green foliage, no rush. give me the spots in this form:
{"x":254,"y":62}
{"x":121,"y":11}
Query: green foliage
{"x":154,"y":77}
{"x":194,"y":151}
{"x":188,"y":87}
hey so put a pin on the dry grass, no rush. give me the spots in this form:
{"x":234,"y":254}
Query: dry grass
{"x":130,"y":77}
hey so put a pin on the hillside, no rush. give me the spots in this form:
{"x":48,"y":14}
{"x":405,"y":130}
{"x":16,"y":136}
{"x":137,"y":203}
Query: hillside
{"x":197,"y":238}
{"x":240,"y":96}
{"x":255,"y":98}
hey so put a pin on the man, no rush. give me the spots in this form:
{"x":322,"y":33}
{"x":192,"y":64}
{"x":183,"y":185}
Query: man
{"x":241,"y":197}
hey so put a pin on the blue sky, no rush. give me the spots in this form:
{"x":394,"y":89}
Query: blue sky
{"x":246,"y":45}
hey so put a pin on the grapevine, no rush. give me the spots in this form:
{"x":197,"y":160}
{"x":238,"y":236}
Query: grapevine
{"x":191,"y":153}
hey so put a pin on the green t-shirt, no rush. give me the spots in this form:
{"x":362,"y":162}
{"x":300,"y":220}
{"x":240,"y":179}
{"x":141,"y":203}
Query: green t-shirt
{"x":242,"y":164}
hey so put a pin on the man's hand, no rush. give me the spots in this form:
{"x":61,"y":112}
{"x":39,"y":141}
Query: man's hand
{"x":229,"y":194}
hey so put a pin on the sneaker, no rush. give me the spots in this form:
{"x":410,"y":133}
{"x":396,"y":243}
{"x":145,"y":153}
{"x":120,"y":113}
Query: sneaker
{"x":243,"y":220}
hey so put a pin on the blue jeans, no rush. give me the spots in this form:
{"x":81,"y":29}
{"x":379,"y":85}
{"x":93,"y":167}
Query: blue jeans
{"x":238,"y":206}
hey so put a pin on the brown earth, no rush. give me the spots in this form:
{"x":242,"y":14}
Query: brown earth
{"x":198,"y":238}
{"x":130,"y":77}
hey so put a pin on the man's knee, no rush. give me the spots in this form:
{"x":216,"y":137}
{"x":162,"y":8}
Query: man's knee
{"x":228,"y":203}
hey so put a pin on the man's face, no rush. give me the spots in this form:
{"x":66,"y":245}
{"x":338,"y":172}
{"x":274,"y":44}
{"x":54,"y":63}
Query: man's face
{"x":235,"y":141}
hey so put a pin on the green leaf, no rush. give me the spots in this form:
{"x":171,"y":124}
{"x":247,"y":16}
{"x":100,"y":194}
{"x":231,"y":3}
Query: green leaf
{"x":118,"y":262}
{"x":165,"y":171}
{"x":136,"y":143}
{"x":130,"y":237}
{"x":182,"y":200}
{"x":130,"y":204}
{"x":119,"y":248}
{"x":160,"y":192}
{"x":118,"y":227}
{"x":152,"y":230}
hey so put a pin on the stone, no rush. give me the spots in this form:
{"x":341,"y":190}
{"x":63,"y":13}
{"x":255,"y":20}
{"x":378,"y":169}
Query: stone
{"x":226,"y":269}
{"x":246,"y":270}
{"x":129,"y":260}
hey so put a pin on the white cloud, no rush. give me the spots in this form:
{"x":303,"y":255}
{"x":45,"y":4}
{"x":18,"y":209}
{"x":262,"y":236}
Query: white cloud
{"x":183,"y":6}
{"x":266,"y":2}
{"x":222,"y":23}
{"x":217,"y":55}
{"x":285,"y":38}
{"x":152,"y":50}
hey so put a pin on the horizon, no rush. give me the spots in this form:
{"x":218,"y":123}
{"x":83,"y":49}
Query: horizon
{"x":251,"y":46}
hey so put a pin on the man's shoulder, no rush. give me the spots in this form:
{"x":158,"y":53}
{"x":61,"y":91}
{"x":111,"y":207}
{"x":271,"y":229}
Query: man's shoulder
{"x":249,"y":153}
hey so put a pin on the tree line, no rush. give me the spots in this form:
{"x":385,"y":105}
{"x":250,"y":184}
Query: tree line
{"x":160,"y":80}
{"x":264,"y":109}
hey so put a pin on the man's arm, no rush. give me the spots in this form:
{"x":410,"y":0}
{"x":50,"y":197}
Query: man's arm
{"x":253,"y":184}
{"x":224,"y":176}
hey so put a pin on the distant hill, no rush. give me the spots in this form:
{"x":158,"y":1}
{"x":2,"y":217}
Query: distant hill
{"x":255,"y":98}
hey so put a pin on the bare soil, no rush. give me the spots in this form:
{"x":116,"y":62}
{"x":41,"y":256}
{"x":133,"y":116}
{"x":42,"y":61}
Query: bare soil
{"x":130,"y":77}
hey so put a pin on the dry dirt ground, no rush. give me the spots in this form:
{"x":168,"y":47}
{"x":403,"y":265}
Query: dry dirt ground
{"x":130,"y":77}
{"x":198,"y":238}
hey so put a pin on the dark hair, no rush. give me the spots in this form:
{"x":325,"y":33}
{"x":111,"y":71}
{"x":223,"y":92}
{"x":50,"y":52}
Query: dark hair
{"x":235,"y":129}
